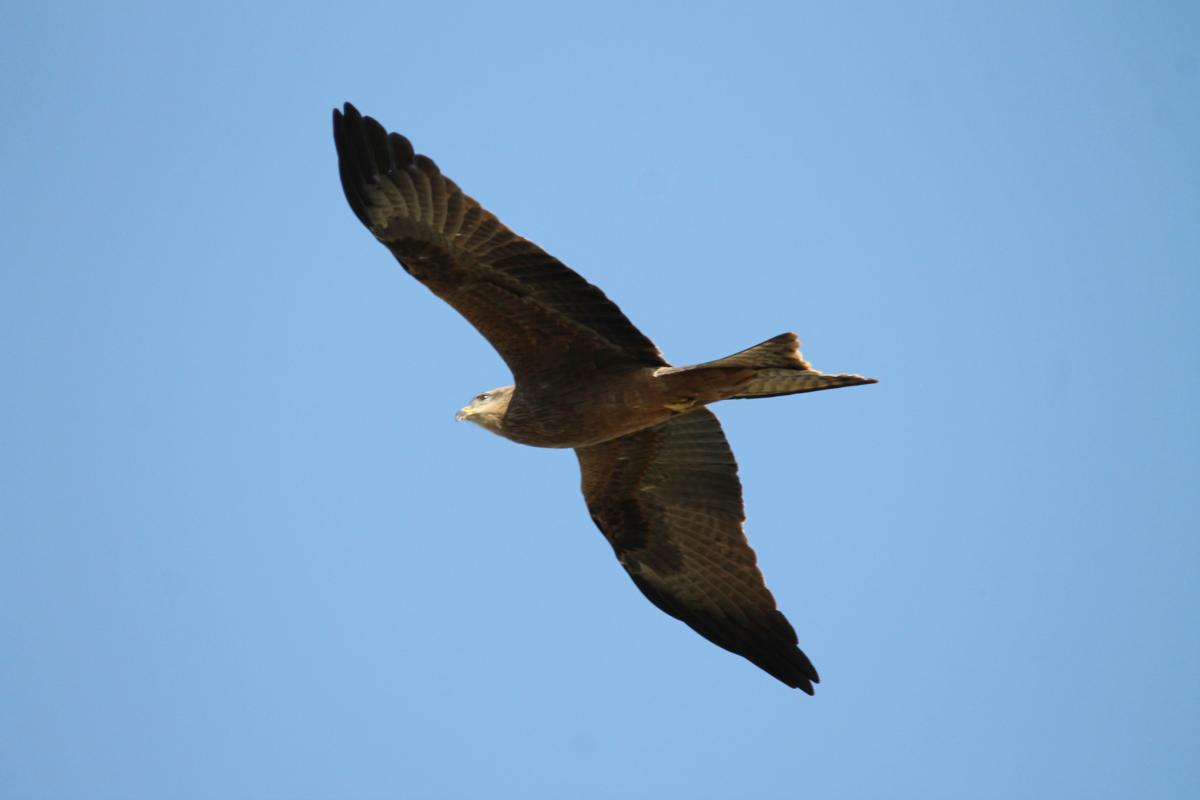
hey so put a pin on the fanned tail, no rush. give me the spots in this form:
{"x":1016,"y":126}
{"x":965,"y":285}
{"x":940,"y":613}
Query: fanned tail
{"x":778,"y":369}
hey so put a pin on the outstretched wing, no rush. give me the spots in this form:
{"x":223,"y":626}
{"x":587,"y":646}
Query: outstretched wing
{"x":540,"y":315}
{"x":669,"y":502}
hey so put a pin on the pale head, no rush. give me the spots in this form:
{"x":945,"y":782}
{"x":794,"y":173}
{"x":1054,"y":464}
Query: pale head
{"x":487,"y":409}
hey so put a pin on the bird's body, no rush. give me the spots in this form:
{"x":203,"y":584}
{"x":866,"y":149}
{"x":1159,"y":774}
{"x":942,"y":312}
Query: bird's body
{"x":657,"y":474}
{"x":616,"y":402}
{"x":549,"y":414}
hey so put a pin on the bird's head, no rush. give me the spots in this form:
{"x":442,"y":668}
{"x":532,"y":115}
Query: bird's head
{"x":487,"y":409}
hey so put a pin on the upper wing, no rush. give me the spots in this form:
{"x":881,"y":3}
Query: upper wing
{"x":539,"y":314}
{"x":669,"y":502}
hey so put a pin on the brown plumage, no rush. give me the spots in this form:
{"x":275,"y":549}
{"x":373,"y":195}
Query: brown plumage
{"x":657,"y":473}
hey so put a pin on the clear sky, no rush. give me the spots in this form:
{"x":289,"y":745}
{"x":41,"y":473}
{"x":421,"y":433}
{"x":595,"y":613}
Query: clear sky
{"x":247,"y":552}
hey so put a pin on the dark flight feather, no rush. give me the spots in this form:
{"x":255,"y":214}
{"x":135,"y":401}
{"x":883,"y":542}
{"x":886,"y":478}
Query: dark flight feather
{"x":669,"y":501}
{"x":542,"y":317}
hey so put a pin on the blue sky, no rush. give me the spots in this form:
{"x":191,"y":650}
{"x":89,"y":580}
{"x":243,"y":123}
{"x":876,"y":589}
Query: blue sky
{"x":248,"y":553}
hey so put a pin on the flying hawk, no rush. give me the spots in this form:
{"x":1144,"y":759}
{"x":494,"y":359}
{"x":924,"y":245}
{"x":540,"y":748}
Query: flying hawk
{"x":658,"y":475}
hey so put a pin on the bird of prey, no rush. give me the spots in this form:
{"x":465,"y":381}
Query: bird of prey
{"x":658,"y":476}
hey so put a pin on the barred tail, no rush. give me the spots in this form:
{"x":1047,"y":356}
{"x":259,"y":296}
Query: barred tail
{"x":780,"y":369}
{"x":774,"y":382}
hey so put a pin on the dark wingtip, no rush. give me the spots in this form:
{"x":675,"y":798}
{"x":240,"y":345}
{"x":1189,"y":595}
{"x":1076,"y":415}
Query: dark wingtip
{"x":798,"y":674}
{"x":802,"y":674}
{"x":341,"y":114}
{"x":354,"y":166}
{"x":367,"y":153}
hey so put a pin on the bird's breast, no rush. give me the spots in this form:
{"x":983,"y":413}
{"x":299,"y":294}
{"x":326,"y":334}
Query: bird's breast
{"x":577,"y":415}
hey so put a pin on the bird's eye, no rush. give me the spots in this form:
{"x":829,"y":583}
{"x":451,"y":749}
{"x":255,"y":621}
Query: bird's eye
{"x":482,"y":397}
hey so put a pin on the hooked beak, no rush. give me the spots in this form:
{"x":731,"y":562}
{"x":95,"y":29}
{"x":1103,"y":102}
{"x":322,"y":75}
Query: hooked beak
{"x":462,"y":414}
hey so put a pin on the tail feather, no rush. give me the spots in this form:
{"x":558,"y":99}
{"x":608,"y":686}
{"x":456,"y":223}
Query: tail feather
{"x":774,"y":382}
{"x":782,"y":352}
{"x":779,"y":369}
